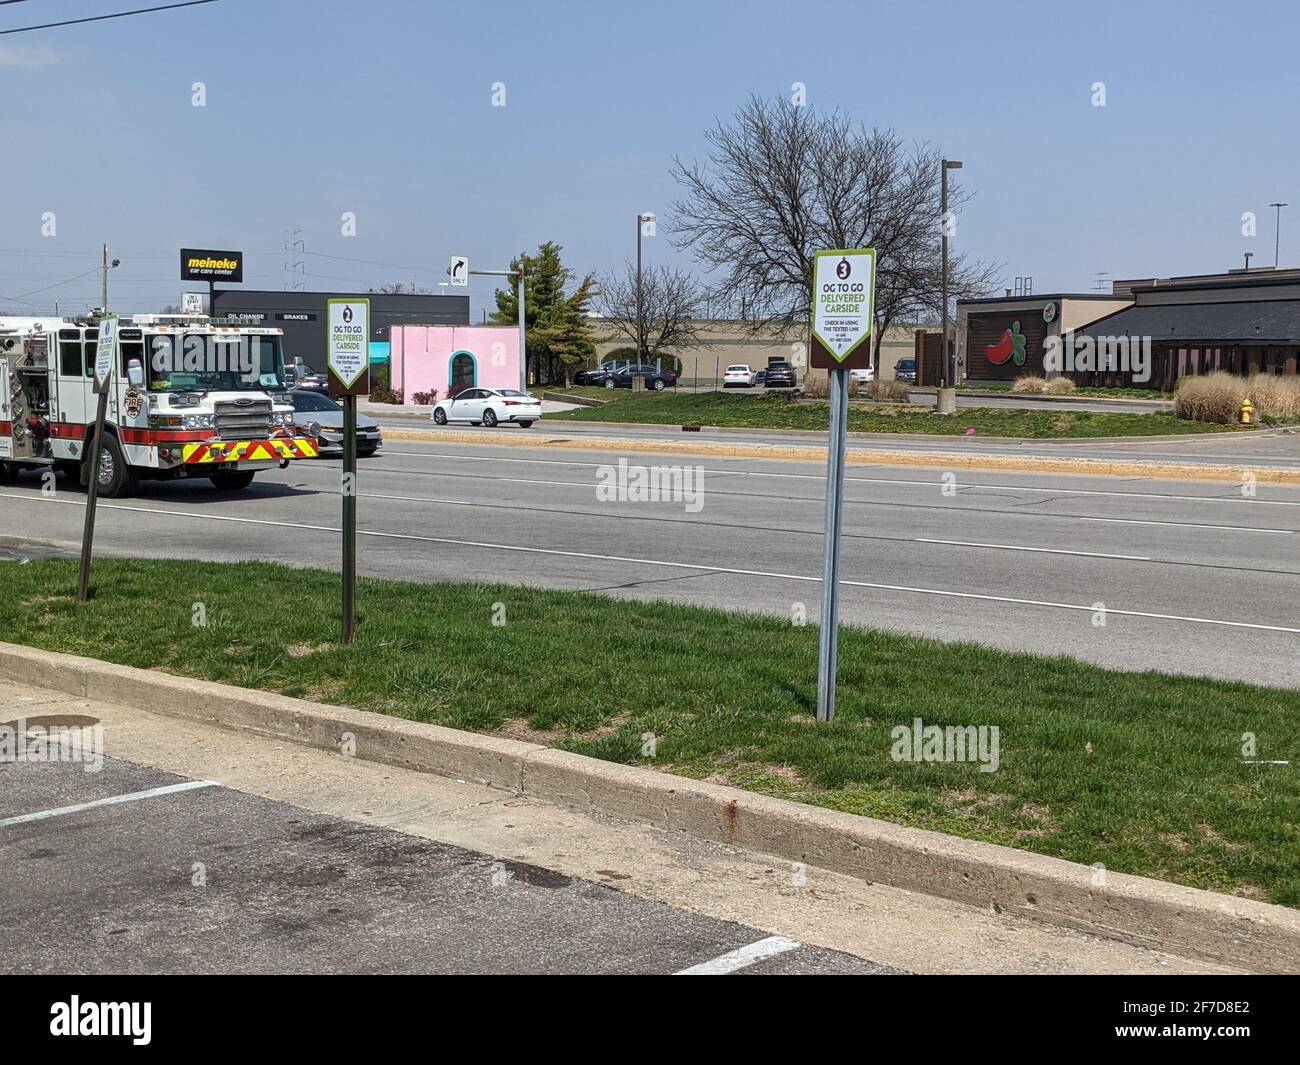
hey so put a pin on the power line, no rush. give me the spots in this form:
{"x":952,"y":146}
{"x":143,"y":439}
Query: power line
{"x":102,"y":18}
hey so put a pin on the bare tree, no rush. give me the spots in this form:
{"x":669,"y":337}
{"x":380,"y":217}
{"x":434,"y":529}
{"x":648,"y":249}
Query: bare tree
{"x":397,"y":288}
{"x":783,"y":181}
{"x":671,"y":303}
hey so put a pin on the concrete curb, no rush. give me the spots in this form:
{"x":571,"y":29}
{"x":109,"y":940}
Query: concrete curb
{"x":944,"y":460}
{"x":1150,"y":913}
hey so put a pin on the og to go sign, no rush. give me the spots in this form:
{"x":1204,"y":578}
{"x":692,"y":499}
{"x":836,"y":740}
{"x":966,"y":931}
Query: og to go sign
{"x":844,"y":286}
{"x":348,"y":353}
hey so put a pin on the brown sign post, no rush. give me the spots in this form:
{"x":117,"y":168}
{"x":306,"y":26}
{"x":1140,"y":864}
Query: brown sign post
{"x":843,"y":297}
{"x":348,"y":361}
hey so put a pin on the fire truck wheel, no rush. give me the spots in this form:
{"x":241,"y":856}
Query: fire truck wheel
{"x":232,"y":482}
{"x":8,"y":473}
{"x":116,"y":478}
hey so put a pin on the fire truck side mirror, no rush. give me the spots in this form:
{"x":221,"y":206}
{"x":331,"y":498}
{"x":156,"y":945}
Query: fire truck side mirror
{"x":135,"y":373}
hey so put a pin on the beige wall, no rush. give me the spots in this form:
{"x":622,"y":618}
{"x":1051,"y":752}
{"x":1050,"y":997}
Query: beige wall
{"x":726,"y":342}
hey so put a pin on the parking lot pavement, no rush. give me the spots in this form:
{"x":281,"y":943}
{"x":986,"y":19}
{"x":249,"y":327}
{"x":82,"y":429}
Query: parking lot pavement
{"x":189,"y":876}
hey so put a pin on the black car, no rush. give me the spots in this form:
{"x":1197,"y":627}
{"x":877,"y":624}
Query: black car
{"x":780,"y":375}
{"x":594,"y":376}
{"x":655,"y":379}
{"x":321,"y":419}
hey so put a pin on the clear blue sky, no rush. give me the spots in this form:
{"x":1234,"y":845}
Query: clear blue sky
{"x":384,"y":108}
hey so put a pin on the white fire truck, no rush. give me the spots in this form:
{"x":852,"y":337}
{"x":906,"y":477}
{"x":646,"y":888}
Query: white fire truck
{"x":190,"y":396}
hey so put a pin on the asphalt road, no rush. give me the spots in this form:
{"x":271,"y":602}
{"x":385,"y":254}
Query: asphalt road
{"x":1194,"y":578}
{"x":185,"y":876}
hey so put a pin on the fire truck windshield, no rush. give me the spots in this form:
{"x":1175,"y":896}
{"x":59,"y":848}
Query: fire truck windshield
{"x":210,"y":362}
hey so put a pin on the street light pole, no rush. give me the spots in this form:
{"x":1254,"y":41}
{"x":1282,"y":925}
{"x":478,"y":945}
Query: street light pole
{"x":949,"y":361}
{"x":641,"y":218}
{"x":1277,"y":230}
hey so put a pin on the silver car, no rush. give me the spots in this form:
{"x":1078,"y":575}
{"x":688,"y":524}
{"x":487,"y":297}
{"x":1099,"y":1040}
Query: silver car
{"x":320,"y":418}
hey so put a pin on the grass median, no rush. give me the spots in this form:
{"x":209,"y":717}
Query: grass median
{"x":1142,"y":772}
{"x":769,"y":411}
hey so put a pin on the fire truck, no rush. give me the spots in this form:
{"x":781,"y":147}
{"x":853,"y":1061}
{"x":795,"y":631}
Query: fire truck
{"x":189,"y":396}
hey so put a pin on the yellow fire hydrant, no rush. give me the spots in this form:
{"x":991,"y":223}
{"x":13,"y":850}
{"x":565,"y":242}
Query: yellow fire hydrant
{"x":1247,"y":412}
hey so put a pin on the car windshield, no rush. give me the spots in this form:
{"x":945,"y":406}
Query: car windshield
{"x":313,"y":401}
{"x":907,"y":364}
{"x":736,"y":369}
{"x":215,"y":362}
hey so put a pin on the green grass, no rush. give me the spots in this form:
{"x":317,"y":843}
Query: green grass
{"x":730,"y":697}
{"x":588,"y":391}
{"x":777,"y":412}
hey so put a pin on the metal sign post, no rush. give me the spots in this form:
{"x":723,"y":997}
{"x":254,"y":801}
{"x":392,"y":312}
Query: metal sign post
{"x":348,"y":360}
{"x":105,"y":357}
{"x":842,"y":305}
{"x":518,"y":275}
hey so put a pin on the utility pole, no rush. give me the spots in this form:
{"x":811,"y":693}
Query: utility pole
{"x":103,"y":277}
{"x":949,"y":358}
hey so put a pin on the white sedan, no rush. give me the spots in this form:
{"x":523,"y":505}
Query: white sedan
{"x":490,"y":407}
{"x":738,"y":376}
{"x":862,"y":376}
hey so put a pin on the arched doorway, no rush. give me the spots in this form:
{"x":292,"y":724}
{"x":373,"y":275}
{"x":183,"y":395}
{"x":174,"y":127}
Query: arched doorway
{"x":462,"y":374}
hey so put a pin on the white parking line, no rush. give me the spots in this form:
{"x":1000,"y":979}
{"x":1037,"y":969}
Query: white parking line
{"x":112,"y":800}
{"x":742,"y":957}
{"x":696,"y":567}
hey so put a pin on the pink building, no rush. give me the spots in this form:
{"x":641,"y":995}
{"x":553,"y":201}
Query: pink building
{"x":450,"y":358}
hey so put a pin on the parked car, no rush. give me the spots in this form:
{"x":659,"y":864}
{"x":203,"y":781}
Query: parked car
{"x":905,"y":370}
{"x":322,"y":420}
{"x":490,"y":407}
{"x":593,"y":376}
{"x":738,"y":376}
{"x":862,"y":376}
{"x":780,"y":375}
{"x":760,"y":378}
{"x":655,"y":379}
{"x":313,"y":382}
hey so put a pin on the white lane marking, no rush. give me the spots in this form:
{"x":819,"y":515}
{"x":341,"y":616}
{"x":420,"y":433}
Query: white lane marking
{"x":1172,"y":524}
{"x":899,"y":539}
{"x":1038,"y":514}
{"x":696,"y":567}
{"x":112,"y":800}
{"x":1039,"y":550}
{"x":1254,"y":501}
{"x":742,"y":957}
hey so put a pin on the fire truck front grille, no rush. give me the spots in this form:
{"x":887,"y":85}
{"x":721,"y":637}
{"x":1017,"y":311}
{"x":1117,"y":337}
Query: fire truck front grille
{"x":237,"y":420}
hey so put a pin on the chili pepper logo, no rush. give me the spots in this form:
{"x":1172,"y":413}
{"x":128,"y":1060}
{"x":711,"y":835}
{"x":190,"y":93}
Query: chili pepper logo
{"x":1011,"y":346}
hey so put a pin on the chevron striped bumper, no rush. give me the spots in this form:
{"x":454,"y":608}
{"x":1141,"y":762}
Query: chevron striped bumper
{"x":297,"y":447}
